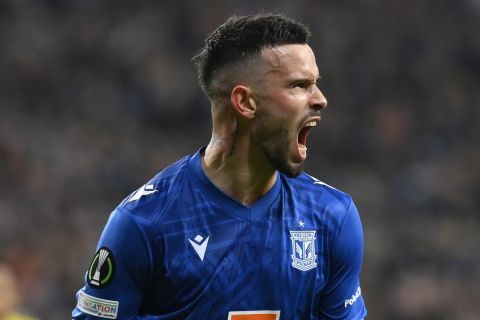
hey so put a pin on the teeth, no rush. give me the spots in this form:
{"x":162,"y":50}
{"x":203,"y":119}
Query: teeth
{"x":302,"y":146}
{"x":311,"y":124}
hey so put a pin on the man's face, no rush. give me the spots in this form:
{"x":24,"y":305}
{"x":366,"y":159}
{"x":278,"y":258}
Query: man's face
{"x":288,"y":105}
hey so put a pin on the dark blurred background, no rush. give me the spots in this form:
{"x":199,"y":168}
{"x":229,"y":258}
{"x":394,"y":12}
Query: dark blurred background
{"x":98,"y":96}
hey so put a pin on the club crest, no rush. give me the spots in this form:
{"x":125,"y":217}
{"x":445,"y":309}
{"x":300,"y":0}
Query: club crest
{"x":303,"y":250}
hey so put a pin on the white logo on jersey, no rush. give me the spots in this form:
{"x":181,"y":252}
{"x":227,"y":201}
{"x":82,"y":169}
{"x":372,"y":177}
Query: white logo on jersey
{"x":303,"y":250}
{"x":199,"y":244}
{"x":143,"y":191}
{"x":354,"y":298}
{"x":316,"y":181}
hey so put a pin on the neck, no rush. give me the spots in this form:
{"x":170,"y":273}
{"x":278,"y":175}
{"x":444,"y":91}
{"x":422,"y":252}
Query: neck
{"x":235,"y":167}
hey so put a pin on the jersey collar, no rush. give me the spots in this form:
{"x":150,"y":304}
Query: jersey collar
{"x":254,"y":212}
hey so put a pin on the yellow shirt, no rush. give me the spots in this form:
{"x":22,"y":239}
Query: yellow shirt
{"x":16,"y":316}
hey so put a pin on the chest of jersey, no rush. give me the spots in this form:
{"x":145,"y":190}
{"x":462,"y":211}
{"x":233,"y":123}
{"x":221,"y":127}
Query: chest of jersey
{"x":216,"y":261}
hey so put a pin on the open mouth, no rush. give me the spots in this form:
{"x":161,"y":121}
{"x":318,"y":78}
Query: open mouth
{"x":302,"y":135}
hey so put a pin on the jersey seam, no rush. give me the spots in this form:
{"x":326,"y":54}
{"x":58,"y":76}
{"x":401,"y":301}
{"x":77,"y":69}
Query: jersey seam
{"x":342,"y":224}
{"x":146,"y":239}
{"x":335,"y":240}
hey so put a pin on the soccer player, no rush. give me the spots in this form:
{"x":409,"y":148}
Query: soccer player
{"x":236,"y":231}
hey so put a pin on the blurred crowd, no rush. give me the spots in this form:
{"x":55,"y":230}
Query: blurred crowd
{"x":98,"y":96}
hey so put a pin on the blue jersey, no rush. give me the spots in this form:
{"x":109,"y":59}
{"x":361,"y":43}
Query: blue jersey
{"x":179,"y":248}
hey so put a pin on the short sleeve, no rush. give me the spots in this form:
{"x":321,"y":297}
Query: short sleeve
{"x":342,"y":297}
{"x":119,"y":272}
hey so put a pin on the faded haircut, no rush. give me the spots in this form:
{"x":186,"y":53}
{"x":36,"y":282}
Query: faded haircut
{"x":241,"y":38}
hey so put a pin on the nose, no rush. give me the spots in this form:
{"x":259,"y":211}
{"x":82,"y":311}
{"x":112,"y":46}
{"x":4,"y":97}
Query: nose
{"x":318,"y":100}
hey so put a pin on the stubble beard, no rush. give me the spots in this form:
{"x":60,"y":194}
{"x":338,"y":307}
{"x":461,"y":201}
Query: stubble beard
{"x":275,"y":142}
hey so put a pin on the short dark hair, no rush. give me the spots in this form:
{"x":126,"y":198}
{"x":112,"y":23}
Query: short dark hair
{"x":239,"y":38}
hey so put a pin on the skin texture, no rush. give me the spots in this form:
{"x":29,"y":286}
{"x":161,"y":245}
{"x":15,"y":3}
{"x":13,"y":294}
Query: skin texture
{"x":255,"y":127}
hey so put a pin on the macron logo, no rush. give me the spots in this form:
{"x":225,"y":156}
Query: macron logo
{"x":316,"y":181}
{"x":354,"y":298}
{"x":199,"y":244}
{"x":143,"y":191}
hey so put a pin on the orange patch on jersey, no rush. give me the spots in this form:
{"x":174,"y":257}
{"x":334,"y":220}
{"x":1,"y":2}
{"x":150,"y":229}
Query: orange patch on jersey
{"x":254,"y":315}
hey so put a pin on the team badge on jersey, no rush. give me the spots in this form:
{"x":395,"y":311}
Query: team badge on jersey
{"x":303,"y":250}
{"x":102,"y":269}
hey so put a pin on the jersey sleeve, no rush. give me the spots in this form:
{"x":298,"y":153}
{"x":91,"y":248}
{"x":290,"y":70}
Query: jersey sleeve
{"x":342,"y":298}
{"x":119,"y":272}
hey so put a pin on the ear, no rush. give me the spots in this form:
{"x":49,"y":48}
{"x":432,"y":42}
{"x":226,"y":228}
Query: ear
{"x":243,"y":102}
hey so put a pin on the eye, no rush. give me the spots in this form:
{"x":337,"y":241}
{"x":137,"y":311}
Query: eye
{"x":301,"y":84}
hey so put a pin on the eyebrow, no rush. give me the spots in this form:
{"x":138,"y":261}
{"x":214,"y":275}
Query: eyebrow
{"x":304,"y":79}
{"x":291,"y":78}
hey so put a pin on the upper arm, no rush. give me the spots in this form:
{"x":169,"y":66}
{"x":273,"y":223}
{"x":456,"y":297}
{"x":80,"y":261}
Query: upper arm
{"x":119,"y":272}
{"x":342,"y":297}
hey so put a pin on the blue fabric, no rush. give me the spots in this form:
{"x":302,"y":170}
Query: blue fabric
{"x":249,"y":258}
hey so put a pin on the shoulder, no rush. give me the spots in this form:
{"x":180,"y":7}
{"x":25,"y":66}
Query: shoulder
{"x":327,"y":205}
{"x":157,"y":192}
{"x":335,"y":210}
{"x":306,"y":186}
